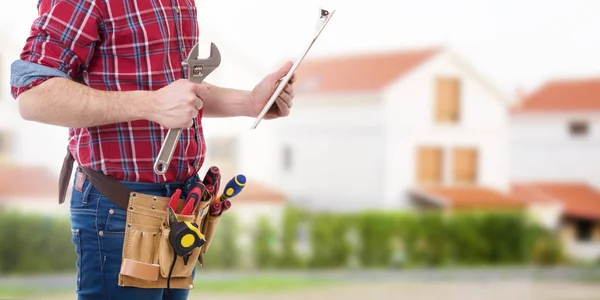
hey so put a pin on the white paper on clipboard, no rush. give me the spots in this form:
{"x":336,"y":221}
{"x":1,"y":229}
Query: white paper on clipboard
{"x":322,"y":22}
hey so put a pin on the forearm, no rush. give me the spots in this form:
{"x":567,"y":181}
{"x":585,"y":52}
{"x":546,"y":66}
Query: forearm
{"x":225,"y":102}
{"x":63,"y":102}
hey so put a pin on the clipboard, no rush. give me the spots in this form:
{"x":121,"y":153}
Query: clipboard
{"x":322,"y":22}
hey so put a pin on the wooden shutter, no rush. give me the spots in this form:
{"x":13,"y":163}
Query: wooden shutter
{"x":465,"y":161}
{"x":447,"y":108}
{"x":429,"y":165}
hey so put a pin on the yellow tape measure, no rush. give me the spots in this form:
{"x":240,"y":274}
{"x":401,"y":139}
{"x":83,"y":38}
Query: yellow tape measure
{"x":185,"y":237}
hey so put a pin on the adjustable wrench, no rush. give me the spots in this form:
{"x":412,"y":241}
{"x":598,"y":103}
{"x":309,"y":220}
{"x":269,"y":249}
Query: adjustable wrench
{"x":198,"y":69}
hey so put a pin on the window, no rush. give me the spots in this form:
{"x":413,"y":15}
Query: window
{"x":583,"y":230}
{"x":287,"y":157}
{"x":464,"y":165}
{"x":579,"y":128}
{"x":429,"y":165}
{"x":447,"y":104}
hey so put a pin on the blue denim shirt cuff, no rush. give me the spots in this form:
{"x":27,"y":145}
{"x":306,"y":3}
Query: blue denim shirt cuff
{"x":23,"y":73}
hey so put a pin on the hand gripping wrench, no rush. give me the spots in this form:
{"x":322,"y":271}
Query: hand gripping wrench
{"x":198,"y":69}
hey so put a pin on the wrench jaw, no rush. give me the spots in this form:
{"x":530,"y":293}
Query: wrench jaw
{"x":198,"y":69}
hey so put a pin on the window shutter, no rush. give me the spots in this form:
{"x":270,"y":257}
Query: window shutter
{"x":429,"y":165}
{"x":465,"y":162}
{"x":447,"y":100}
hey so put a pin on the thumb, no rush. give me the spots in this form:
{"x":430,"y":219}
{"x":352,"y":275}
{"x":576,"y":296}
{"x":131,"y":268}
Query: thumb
{"x":277,"y":75}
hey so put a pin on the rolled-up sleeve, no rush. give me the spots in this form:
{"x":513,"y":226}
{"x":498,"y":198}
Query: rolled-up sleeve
{"x":61,"y":43}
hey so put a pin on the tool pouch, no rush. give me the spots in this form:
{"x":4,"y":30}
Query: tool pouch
{"x":147,"y":253}
{"x":209,"y":227}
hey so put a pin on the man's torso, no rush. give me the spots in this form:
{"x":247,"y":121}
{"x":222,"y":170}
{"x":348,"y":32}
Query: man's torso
{"x":142,"y":46}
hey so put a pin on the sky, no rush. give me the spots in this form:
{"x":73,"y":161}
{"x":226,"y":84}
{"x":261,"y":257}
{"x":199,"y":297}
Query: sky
{"x":514,"y":44}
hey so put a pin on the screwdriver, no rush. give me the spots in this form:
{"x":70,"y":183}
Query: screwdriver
{"x":226,"y":205}
{"x":213,"y":177}
{"x":215,"y":209}
{"x":193,"y":199}
{"x":209,"y":193}
{"x":233,"y":187}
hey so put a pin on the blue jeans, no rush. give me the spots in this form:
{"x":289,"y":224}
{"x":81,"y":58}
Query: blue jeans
{"x":98,"y":228}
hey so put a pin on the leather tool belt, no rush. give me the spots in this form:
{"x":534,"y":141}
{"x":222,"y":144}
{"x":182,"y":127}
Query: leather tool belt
{"x":148,"y":257}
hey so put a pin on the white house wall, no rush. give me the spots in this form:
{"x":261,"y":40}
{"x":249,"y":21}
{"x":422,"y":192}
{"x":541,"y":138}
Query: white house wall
{"x":543,"y":150}
{"x":410,"y":124}
{"x":337,"y":152}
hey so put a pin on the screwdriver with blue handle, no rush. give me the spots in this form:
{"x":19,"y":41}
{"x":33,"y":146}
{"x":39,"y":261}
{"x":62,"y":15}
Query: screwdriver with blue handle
{"x":232,"y":188}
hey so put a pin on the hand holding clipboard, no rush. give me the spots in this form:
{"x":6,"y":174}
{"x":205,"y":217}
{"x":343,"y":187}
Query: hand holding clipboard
{"x":322,"y":22}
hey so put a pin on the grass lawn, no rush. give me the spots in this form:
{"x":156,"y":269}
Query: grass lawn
{"x":245,"y":284}
{"x":260,"y":284}
{"x":11,"y":292}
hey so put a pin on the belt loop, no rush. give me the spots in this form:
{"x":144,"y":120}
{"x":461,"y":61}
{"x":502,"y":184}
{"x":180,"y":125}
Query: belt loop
{"x":169,"y":190}
{"x":87,"y":187}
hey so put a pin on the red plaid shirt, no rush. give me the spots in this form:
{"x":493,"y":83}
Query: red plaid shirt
{"x":117,"y":46}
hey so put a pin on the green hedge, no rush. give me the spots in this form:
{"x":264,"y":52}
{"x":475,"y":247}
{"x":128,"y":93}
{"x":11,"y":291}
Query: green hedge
{"x":393,"y":239}
{"x":34,"y":244}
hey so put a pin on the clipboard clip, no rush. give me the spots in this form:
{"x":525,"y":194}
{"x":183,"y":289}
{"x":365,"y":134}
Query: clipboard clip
{"x":324,"y":17}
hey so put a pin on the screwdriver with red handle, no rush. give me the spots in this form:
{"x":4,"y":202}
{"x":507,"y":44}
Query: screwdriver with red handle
{"x":193,"y":198}
{"x":213,"y":177}
{"x":208,"y":193}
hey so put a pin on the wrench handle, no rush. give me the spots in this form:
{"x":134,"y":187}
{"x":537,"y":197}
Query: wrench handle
{"x":166,"y":151}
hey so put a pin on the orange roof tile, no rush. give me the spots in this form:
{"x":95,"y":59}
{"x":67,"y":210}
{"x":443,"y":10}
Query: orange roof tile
{"x":578,"y":199}
{"x":358,"y":73}
{"x":466,"y":198}
{"x":27,"y":181}
{"x":563,"y":96}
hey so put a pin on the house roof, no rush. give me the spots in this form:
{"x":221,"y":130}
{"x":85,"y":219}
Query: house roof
{"x":27,"y":181}
{"x":366,"y":72}
{"x":576,"y":95}
{"x":471,"y":197}
{"x":579,"y":200}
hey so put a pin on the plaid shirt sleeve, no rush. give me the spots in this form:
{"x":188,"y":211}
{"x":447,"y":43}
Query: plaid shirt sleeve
{"x":63,"y":38}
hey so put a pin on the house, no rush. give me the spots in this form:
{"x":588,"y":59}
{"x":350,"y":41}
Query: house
{"x":368,"y":129}
{"x":576,"y":217}
{"x":555,"y":133}
{"x":554,"y":158}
